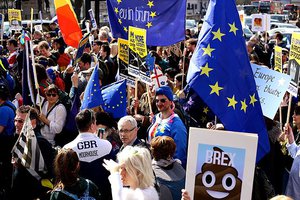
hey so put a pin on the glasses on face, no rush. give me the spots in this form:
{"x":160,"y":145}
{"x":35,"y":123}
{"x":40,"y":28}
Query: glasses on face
{"x":21,"y":121}
{"x":126,"y":131}
{"x":160,"y":100}
{"x":51,"y":94}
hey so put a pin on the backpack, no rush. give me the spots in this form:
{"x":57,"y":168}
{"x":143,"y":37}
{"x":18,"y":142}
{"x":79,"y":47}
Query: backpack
{"x":85,"y":195}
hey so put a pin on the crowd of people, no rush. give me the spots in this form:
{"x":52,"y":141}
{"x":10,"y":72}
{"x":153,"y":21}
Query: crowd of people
{"x":142,"y":155}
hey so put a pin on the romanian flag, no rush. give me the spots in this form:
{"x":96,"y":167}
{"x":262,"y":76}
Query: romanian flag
{"x":68,"y":22}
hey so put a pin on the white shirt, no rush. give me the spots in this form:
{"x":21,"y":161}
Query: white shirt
{"x":89,"y":147}
{"x":57,"y":118}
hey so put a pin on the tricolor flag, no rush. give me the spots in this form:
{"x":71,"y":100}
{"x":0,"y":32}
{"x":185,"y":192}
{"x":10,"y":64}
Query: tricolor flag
{"x":68,"y":23}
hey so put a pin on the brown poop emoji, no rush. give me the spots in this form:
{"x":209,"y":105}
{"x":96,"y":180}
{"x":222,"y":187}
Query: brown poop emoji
{"x":218,"y":180}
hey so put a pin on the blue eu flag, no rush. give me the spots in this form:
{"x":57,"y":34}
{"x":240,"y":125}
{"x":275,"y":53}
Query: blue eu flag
{"x":92,"y":93}
{"x":160,"y":18}
{"x":115,"y":99}
{"x":221,"y":74}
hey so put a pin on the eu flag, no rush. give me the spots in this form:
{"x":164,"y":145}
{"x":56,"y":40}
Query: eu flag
{"x":115,"y":99}
{"x":159,"y":17}
{"x":92,"y":93}
{"x":221,"y":74}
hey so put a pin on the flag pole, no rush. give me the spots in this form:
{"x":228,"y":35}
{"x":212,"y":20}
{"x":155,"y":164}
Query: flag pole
{"x":149,"y":98}
{"x":37,"y":87}
{"x":135,"y":94}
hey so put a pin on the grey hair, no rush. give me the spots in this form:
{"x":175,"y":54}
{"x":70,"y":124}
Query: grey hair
{"x":127,"y":118}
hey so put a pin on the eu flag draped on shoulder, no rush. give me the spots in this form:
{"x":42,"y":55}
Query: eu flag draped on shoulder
{"x":115,"y":99}
{"x":159,"y":17}
{"x":92,"y":93}
{"x":221,"y":74}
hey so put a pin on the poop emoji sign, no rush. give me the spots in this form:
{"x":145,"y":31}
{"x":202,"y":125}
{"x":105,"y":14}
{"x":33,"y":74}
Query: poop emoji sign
{"x":220,"y":164}
{"x":218,"y":177}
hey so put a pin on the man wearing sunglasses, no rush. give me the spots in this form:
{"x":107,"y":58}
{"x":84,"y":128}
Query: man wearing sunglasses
{"x":24,"y":184}
{"x":167,"y":123}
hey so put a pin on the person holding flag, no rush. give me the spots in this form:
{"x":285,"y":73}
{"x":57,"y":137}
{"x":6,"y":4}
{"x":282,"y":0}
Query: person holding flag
{"x":32,"y":168}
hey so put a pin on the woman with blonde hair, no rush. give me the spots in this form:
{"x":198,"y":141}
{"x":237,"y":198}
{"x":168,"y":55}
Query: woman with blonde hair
{"x":133,"y":170}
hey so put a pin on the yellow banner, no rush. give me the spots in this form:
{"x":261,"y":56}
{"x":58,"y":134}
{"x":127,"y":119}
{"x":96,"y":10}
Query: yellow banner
{"x":14,"y":14}
{"x":123,"y":50}
{"x":138,"y":36}
{"x":295,"y":47}
{"x":278,"y":59}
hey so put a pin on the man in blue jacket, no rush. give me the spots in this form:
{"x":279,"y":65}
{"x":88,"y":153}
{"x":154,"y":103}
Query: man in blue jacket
{"x":167,"y":123}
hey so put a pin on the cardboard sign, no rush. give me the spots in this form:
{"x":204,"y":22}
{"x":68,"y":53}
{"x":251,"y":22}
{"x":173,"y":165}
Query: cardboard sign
{"x":1,"y":26}
{"x":93,"y":20}
{"x":260,"y":22}
{"x":278,"y":59}
{"x":15,"y":19}
{"x":220,"y":164}
{"x":38,"y":27}
{"x":271,"y":87}
{"x":123,"y":57}
{"x":292,"y":89}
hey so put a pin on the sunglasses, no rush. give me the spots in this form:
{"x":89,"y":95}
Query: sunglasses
{"x":161,"y":100}
{"x":49,"y":95}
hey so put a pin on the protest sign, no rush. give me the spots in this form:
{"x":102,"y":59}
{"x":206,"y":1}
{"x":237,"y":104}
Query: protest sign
{"x":38,"y":27}
{"x":1,"y":26}
{"x":93,"y":20}
{"x":278,"y":59}
{"x":15,"y":19}
{"x":123,"y":58}
{"x":271,"y":87}
{"x":134,"y":59}
{"x":260,"y":22}
{"x":292,"y":89}
{"x":141,"y":52}
{"x":81,"y":47}
{"x":220,"y":164}
{"x":294,"y":58}
{"x":242,"y":17}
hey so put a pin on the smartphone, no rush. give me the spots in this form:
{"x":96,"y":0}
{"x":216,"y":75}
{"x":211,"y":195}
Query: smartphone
{"x":100,"y":132}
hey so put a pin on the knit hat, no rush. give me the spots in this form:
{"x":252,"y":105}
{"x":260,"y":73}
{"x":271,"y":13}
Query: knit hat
{"x":165,"y":90}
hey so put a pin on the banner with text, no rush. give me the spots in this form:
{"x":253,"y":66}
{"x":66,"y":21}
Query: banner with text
{"x":15,"y":19}
{"x":123,"y":51}
{"x":271,"y":87}
{"x":220,"y":159}
{"x":294,"y":58}
{"x":278,"y":59}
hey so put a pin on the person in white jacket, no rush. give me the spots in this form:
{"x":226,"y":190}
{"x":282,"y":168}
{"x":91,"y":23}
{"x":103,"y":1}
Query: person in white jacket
{"x":134,"y":170}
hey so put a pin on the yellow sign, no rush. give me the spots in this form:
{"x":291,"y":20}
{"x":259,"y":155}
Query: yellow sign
{"x":14,"y":14}
{"x":278,"y":59}
{"x":123,"y":50}
{"x":295,"y":47}
{"x":138,"y":37}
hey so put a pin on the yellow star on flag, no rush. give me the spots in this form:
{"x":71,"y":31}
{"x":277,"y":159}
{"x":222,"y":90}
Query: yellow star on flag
{"x":252,"y":99}
{"x":125,"y":29}
{"x":218,"y":34}
{"x":153,"y":14}
{"x":233,"y":28}
{"x":120,"y":21}
{"x":208,"y":50}
{"x":215,"y":88}
{"x":232,"y":102}
{"x":150,"y":4}
{"x":244,"y":106}
{"x":205,"y":70}
{"x":149,"y":24}
{"x":116,"y":10}
{"x":205,"y":110}
{"x":119,"y":1}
